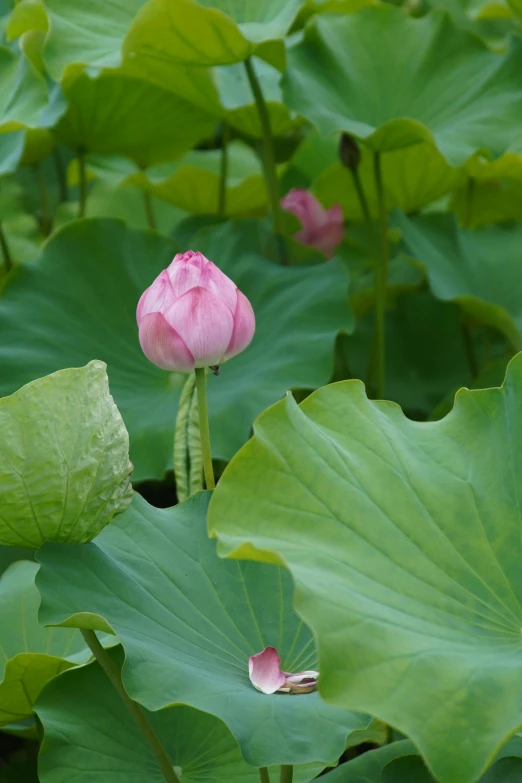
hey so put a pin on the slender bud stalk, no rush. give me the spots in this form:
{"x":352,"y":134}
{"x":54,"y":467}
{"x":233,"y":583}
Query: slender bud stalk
{"x":201,"y":386}
{"x":272,"y":182}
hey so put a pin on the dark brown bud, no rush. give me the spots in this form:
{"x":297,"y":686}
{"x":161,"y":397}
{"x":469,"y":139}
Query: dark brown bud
{"x":349,"y":151}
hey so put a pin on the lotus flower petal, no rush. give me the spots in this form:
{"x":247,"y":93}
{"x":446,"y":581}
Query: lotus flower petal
{"x":322,"y":229}
{"x":204,"y":323}
{"x":163,"y":346}
{"x":265,"y":671}
{"x":192,"y":270}
{"x":244,"y":326}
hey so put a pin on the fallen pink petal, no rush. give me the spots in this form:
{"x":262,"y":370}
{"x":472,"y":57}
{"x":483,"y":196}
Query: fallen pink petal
{"x":265,"y":674}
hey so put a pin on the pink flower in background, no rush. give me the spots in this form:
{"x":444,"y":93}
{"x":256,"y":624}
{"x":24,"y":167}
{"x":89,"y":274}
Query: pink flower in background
{"x":322,"y":228}
{"x":193,"y":315}
{"x":265,"y":674}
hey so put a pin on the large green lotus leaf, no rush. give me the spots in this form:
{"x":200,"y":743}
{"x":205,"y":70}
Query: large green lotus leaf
{"x":398,"y":762}
{"x":27,"y":15}
{"x":140,"y":123}
{"x":11,"y":150}
{"x":128,"y":204}
{"x":492,"y":374}
{"x":492,"y":20}
{"x":30,"y":656}
{"x":441,"y":85}
{"x":493,"y":201}
{"x":425,"y":352}
{"x":190,"y":82}
{"x":413,"y":177}
{"x":404,"y":274}
{"x":367,"y":767}
{"x":113,"y":194}
{"x":211,"y":32}
{"x":24,"y":92}
{"x":21,"y":230}
{"x":410,"y":576}
{"x":90,"y":32}
{"x":64,"y":463}
{"x":312,"y":7}
{"x":506,"y":769}
{"x":189,"y":621}
{"x":88,"y":730}
{"x":79,"y":302}
{"x":10,"y":554}
{"x":315,"y":154}
{"x":38,"y":144}
{"x":235,"y":95}
{"x":478,"y":269}
{"x":508,"y":166}
{"x":494,"y":190}
{"x":192,"y":183}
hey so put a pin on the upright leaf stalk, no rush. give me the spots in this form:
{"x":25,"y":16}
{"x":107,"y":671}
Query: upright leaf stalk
{"x":380,"y":281}
{"x":272,"y":182}
{"x":223,"y":174}
{"x":114,"y":675}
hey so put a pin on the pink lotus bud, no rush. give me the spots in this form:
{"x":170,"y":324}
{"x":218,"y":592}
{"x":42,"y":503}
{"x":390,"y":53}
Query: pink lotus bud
{"x":322,"y":228}
{"x":265,"y":674}
{"x":193,"y":315}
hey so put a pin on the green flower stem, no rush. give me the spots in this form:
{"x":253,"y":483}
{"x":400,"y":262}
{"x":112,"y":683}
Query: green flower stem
{"x":114,"y":675}
{"x":380,"y":280}
{"x":45,"y":221}
{"x":149,"y":210}
{"x":60,"y":176}
{"x":6,"y":253}
{"x":222,"y":196}
{"x":263,"y":775}
{"x":82,"y":183}
{"x":365,"y":210}
{"x":271,"y":180}
{"x":287,"y":773}
{"x":363,"y":202}
{"x":470,"y":193}
{"x":201,"y":386}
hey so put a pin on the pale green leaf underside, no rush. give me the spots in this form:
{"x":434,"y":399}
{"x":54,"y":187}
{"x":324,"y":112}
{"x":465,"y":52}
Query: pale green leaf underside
{"x":410,"y":576}
{"x":139,"y":112}
{"x":89,"y":32}
{"x":215,"y":32}
{"x":193,"y":183}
